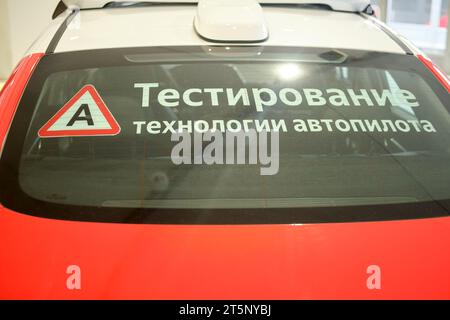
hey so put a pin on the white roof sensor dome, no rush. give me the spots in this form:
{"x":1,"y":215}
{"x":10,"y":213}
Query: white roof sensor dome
{"x":231,"y":21}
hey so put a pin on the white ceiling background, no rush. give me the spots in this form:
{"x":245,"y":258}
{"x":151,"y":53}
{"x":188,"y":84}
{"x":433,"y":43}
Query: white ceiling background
{"x":21,"y":22}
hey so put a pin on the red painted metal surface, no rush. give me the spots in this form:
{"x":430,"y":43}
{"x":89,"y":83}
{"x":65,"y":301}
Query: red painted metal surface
{"x":325,"y":261}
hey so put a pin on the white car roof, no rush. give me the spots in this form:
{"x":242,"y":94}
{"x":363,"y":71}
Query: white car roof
{"x":173,"y":25}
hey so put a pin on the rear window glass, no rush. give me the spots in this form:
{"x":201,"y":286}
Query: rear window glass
{"x":230,"y":135}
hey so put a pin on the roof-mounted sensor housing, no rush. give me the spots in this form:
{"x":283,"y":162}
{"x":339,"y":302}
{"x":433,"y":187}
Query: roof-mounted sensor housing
{"x":231,"y":21}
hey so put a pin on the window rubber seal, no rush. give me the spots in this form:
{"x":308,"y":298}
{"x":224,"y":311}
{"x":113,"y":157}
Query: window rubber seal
{"x":60,"y":32}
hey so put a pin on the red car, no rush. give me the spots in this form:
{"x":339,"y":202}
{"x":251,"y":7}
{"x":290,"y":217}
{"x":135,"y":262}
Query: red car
{"x":98,"y":202}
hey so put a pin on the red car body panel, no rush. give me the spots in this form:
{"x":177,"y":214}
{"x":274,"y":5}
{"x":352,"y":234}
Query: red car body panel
{"x":323,"y":261}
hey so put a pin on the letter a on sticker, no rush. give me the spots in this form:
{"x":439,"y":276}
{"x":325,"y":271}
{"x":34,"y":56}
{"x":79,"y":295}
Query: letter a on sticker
{"x":85,"y":115}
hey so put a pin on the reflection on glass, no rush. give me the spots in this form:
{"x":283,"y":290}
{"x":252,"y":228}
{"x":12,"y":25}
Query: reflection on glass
{"x":289,"y":71}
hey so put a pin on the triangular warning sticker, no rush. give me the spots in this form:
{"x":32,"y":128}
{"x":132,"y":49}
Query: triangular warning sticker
{"x":85,"y":115}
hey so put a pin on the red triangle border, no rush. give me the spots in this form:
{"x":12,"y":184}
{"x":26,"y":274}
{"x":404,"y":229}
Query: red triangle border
{"x":115,"y":128}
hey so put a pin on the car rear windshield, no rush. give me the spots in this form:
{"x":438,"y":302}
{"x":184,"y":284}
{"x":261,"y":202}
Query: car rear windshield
{"x":229,"y":135}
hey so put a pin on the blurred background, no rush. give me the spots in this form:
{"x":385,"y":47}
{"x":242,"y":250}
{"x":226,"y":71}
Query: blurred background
{"x":424,"y":22}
